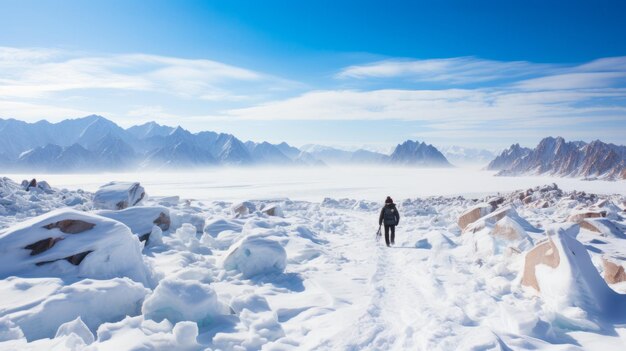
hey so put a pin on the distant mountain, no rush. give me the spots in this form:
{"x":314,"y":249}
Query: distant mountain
{"x":148,"y":130}
{"x":114,"y":153}
{"x":414,"y":153}
{"x":327,"y":154}
{"x":267,"y":153}
{"x":57,"y":158}
{"x":365,"y":156}
{"x":232,"y":151}
{"x":555,"y":156}
{"x":508,"y":157}
{"x":96,"y":143}
{"x":330,"y":155}
{"x":458,"y":155}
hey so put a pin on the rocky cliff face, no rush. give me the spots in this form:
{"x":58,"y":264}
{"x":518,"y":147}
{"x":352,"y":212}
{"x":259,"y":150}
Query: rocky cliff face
{"x":555,"y":156}
{"x":415,"y":153}
{"x":507,"y":157}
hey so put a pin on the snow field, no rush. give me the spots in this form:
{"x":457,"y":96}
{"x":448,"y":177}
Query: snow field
{"x":315,"y":278}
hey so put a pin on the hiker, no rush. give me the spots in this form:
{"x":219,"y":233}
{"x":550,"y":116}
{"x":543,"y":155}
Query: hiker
{"x":390,"y":217}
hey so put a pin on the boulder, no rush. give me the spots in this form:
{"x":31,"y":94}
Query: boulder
{"x":473,"y":214}
{"x":527,"y":200}
{"x":542,"y":204}
{"x":495,"y":201}
{"x":141,"y":219}
{"x":66,"y":242}
{"x":613,"y":272}
{"x":118,"y":195}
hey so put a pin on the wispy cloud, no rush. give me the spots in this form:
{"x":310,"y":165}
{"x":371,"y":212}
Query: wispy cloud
{"x":458,"y":70}
{"x":32,"y":73}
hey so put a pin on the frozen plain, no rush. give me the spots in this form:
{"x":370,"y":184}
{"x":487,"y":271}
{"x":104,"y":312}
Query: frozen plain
{"x":339,"y":289}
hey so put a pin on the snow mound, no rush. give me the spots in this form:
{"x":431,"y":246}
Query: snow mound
{"x":94,"y":301}
{"x":561,"y":270}
{"x":217,"y":226}
{"x":137,"y":333}
{"x":77,"y":327}
{"x":118,"y":195}
{"x":183,"y":300}
{"x":255,"y":255}
{"x":435,"y":240}
{"x":69,"y":243}
{"x":141,"y":219}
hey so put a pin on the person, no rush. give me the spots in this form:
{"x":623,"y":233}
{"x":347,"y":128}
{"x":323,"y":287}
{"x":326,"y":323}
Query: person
{"x":390,"y":217}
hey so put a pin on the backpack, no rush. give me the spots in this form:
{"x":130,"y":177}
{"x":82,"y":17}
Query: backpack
{"x":389,"y":215}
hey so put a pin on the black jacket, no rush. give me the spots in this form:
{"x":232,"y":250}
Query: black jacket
{"x":389,"y":215}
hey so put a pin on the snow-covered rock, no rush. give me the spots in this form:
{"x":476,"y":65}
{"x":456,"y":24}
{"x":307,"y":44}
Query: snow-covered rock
{"x":242,"y":208}
{"x":183,"y":300}
{"x":69,"y":243}
{"x":473,"y":214}
{"x":603,"y":226}
{"x":255,"y":255}
{"x":580,"y":215}
{"x":561,"y":270}
{"x":273,"y":210}
{"x":141,"y":219}
{"x":118,"y":195}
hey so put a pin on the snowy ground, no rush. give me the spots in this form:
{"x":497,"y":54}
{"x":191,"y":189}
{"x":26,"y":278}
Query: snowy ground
{"x":218,"y":280}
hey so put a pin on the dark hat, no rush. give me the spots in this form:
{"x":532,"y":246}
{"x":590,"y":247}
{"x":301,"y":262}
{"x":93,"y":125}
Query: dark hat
{"x":388,"y":200}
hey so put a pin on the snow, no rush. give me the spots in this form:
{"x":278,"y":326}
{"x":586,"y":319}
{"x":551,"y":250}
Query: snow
{"x":183,"y":300}
{"x":255,"y":255}
{"x":314,"y":277}
{"x":315,"y":183}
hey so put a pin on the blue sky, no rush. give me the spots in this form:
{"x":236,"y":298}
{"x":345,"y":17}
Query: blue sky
{"x":349,"y":73}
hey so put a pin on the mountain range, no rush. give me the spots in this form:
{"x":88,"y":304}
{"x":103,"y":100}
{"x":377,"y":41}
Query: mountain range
{"x":557,"y":157}
{"x":96,"y":143}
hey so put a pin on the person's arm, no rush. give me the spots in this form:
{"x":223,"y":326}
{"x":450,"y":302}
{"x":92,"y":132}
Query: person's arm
{"x":397,"y":216}
{"x":380,"y":218}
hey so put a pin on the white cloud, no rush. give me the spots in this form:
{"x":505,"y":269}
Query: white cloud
{"x":35,"y":73}
{"x":434,"y":106}
{"x":458,"y":70}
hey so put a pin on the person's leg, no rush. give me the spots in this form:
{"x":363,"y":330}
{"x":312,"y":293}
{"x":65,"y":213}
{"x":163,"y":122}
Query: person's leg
{"x":393,"y":235}
{"x":387,"y":234}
